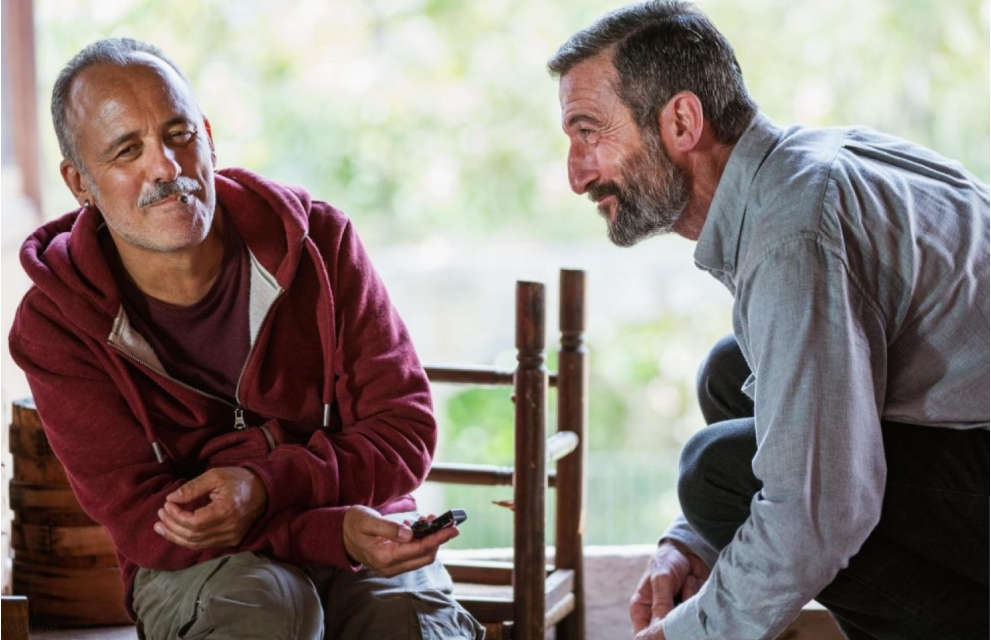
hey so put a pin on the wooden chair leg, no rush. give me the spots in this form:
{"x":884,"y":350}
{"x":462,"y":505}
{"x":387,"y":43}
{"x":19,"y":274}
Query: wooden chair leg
{"x":531,"y":467}
{"x":572,"y":415}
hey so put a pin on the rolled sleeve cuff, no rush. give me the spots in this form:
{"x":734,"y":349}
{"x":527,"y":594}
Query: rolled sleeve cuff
{"x":317,"y":537}
{"x":681,"y":531}
{"x":285,"y":485}
{"x":685,"y":622}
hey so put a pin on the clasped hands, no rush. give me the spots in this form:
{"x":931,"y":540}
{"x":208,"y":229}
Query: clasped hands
{"x":217,"y":508}
{"x":213,"y":510}
{"x":673,"y":572}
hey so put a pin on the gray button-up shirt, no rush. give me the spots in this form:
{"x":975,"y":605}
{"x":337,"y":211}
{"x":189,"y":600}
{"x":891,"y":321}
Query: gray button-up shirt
{"x":859,"y":267}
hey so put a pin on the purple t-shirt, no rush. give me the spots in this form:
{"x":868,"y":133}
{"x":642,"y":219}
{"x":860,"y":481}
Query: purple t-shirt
{"x":204,"y":345}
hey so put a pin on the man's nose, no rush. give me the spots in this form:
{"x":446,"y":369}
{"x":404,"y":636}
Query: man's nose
{"x":582,"y":171}
{"x":164,"y":167}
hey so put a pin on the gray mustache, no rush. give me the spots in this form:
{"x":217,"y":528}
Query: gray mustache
{"x":162,"y":190}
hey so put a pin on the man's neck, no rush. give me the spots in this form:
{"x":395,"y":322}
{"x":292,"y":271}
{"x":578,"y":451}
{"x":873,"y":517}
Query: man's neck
{"x":178,"y":278}
{"x":705,"y":170}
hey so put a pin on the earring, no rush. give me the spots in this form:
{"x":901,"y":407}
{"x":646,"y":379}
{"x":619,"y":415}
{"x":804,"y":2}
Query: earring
{"x":86,"y":203}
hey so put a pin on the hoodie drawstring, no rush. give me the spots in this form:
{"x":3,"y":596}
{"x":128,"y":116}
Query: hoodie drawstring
{"x":325,"y":319}
{"x":133,"y":399}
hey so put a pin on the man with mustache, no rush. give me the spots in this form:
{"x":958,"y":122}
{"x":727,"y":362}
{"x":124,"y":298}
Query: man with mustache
{"x":846,"y":457}
{"x":219,"y":369}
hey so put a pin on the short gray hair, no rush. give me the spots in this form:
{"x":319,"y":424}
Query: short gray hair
{"x":113,"y":51}
{"x":660,"y":49}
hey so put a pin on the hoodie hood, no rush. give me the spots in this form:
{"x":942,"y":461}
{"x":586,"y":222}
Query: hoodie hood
{"x":69,"y":269}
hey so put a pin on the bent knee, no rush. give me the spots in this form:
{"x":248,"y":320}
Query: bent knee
{"x":256,"y":597}
{"x":724,"y":356}
{"x":714,"y":461}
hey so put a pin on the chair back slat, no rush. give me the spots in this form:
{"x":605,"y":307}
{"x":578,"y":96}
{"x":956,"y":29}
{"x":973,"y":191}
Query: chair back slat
{"x":478,"y":376}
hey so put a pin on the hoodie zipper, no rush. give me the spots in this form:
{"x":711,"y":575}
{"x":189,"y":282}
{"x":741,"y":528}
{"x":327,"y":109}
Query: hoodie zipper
{"x":170,"y":378}
{"x":240,"y":423}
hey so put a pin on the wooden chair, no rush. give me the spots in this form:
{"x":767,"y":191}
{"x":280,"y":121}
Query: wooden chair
{"x":543,"y":596}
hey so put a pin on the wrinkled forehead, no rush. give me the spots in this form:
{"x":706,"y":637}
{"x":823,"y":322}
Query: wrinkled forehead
{"x":589,"y":85}
{"x":144,"y":82}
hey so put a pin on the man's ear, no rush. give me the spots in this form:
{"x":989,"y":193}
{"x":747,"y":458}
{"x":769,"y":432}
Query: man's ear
{"x":681,"y":121}
{"x":73,"y":179}
{"x":209,"y":137}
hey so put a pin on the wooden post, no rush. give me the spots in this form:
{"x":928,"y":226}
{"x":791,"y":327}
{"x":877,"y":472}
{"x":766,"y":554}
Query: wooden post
{"x":531,"y":468}
{"x":20,"y":79}
{"x":572,"y":415}
{"x":15,"y":618}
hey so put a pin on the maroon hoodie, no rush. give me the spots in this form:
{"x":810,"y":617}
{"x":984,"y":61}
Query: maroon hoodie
{"x":327,"y":348}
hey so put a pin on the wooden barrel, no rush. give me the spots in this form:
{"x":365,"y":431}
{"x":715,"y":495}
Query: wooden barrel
{"x":63,"y":561}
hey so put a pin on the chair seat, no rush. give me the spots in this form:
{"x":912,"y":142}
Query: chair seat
{"x":493,"y":603}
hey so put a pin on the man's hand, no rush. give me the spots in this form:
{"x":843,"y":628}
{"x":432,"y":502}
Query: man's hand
{"x":673,"y":571}
{"x":234,"y":499}
{"x":654,"y":632}
{"x":387,"y":547}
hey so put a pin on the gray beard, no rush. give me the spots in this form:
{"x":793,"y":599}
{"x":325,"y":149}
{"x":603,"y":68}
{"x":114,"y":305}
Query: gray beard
{"x":653,"y":199}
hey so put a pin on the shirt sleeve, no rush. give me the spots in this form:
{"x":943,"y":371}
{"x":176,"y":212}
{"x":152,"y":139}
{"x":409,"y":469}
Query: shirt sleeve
{"x":818,"y":352}
{"x":681,"y":531}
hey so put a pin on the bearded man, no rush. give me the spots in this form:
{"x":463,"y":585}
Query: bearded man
{"x":846,"y":457}
{"x":219,"y":369}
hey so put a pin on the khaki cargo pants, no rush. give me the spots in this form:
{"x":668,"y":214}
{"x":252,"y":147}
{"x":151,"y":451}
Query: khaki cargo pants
{"x":246,"y":596}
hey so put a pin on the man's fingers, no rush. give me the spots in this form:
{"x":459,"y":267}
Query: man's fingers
{"x":422,"y":552}
{"x":698,"y":568}
{"x":396,"y":558}
{"x":169,"y":524}
{"x":664,"y":589}
{"x":196,"y":545}
{"x":203,"y":519}
{"x":692,"y":585}
{"x":400,"y":553}
{"x":410,"y":565}
{"x":372,"y":524}
{"x":639,"y":615}
{"x":198,"y":486}
{"x":640,"y":604}
{"x":653,"y":632}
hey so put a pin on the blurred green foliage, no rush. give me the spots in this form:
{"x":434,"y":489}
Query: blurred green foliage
{"x":437,"y":118}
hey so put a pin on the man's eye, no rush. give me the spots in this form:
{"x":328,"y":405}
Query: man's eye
{"x":129,"y":150}
{"x":182,"y":135}
{"x":585,"y":133}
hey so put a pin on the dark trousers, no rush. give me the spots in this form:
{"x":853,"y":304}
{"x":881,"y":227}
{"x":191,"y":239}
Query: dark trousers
{"x":923,"y":571}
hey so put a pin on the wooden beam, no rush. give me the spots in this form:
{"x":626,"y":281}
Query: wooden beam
{"x":475,"y":375}
{"x":483,"y":376}
{"x":477,"y":474}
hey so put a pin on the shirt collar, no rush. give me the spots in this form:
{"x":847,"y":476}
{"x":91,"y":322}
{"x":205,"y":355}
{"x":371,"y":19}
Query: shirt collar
{"x":718,"y":244}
